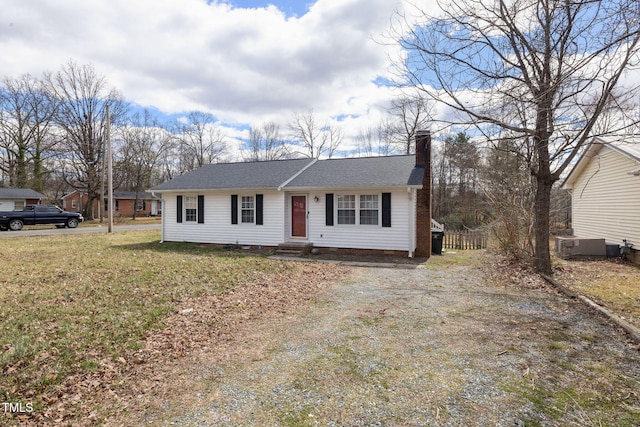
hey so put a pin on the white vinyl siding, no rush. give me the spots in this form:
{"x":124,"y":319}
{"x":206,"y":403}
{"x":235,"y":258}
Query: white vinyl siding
{"x":217,"y":227}
{"x":606,"y":199}
{"x":399,"y":236}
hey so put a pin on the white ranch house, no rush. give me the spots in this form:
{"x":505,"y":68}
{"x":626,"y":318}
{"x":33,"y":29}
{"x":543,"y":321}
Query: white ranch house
{"x":371,"y":204}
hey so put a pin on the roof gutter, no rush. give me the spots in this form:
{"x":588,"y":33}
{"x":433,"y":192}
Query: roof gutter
{"x":281,"y":186}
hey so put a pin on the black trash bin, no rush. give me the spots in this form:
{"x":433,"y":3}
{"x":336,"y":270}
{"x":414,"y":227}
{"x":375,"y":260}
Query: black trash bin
{"x":436,"y":242}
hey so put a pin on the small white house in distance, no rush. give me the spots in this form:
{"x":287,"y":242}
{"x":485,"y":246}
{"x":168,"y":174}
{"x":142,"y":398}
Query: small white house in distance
{"x":352,"y":204}
{"x":15,"y":199}
{"x":605,"y":191}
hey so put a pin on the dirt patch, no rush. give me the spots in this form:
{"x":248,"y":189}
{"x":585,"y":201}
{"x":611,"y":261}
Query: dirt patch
{"x":447,"y":344}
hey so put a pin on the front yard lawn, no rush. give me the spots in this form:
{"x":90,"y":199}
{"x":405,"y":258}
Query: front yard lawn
{"x":76,"y":307}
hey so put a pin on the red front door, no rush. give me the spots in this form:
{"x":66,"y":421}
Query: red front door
{"x":298,"y":216}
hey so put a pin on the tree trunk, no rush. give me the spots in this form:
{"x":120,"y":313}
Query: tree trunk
{"x":21,"y":167}
{"x":542,"y":255}
{"x":88,"y":209}
{"x":38,"y":179}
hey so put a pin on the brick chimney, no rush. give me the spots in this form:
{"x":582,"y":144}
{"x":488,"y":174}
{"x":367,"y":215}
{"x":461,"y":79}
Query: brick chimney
{"x":423,"y":139}
{"x":423,"y":199}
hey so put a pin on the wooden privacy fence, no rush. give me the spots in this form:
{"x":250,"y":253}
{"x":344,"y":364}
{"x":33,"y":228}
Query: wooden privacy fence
{"x":464,"y":239}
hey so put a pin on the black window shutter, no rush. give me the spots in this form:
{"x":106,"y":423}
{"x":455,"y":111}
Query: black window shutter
{"x":329,"y":208}
{"x":200,"y":209}
{"x":179,"y":208}
{"x":234,"y":209}
{"x":259,"y":203}
{"x":386,"y":209}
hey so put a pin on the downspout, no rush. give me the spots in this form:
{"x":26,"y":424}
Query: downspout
{"x":412,"y":222}
{"x":162,"y":216}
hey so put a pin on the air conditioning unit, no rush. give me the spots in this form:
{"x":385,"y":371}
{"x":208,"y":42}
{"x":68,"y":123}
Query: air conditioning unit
{"x":576,"y":247}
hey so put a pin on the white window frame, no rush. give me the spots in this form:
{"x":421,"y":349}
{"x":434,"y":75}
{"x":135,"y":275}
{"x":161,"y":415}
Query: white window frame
{"x":346,"y":203}
{"x":370,"y":205}
{"x":190,"y":208}
{"x":248,"y":206}
{"x":359,"y":205}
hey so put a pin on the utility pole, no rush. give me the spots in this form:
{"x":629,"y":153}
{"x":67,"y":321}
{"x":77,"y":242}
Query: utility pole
{"x":110,"y":173}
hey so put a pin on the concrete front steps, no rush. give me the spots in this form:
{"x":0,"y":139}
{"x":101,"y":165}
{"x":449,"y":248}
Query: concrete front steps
{"x":294,"y":248}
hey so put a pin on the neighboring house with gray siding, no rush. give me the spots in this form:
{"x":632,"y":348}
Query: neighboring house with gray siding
{"x":15,"y":199}
{"x":605,"y":191}
{"x":373,"y":203}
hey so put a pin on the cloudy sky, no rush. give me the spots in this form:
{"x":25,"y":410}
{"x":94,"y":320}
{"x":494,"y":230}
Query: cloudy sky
{"x":245,"y":61}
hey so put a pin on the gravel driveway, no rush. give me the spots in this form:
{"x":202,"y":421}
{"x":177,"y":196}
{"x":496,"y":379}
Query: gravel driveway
{"x":424,"y":347}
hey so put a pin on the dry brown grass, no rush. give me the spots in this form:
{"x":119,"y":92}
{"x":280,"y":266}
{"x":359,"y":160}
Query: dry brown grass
{"x":614,"y":284}
{"x":82,"y":313}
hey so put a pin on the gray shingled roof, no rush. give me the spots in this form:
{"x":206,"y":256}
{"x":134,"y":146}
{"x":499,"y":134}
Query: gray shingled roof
{"x":262,"y":175}
{"x":389,"y":171}
{"x":20,"y":193}
{"x":132,"y":195}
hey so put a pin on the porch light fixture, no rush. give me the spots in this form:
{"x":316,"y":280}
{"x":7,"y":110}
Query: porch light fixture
{"x":316,"y":199}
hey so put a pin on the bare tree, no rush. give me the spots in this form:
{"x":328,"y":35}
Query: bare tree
{"x":25,"y":130}
{"x":412,"y":114}
{"x":144,"y":142}
{"x":364,"y":142}
{"x":265,"y":143}
{"x":386,"y":131}
{"x":540,"y":71}
{"x":378,"y":141}
{"x":82,"y":97}
{"x":199,"y":141}
{"x":316,"y":138}
{"x":507,"y":184}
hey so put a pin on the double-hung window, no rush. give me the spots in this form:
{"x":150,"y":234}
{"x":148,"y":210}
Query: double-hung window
{"x":346,"y":209}
{"x":247,"y":209}
{"x":191,"y":208}
{"x":360,"y":209}
{"x":369,"y":209}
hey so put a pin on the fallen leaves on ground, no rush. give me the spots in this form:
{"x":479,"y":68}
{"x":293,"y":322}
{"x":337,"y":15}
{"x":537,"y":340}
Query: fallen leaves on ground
{"x":134,"y":379}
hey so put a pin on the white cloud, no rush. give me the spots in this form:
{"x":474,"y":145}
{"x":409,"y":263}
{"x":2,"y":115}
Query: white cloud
{"x":243,"y":65}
